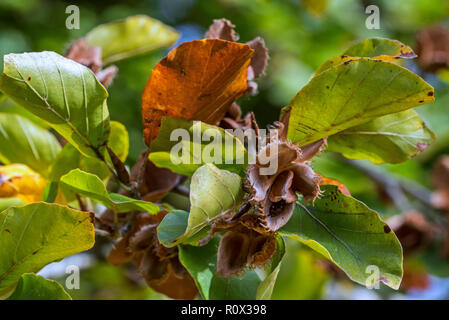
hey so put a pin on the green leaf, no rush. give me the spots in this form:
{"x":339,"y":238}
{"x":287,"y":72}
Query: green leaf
{"x":34,"y":287}
{"x":130,"y":37}
{"x":223,"y":149}
{"x":213,"y":192}
{"x":174,"y":225}
{"x":21,"y":141}
{"x":89,"y":185}
{"x":347,"y":232}
{"x":37,"y":234}
{"x":64,"y":93}
{"x":9,"y":106}
{"x":351,"y":94}
{"x":6,"y":203}
{"x":70,"y":158}
{"x":301,"y":277}
{"x":377,"y":48}
{"x":392,"y":138}
{"x":201,"y":262}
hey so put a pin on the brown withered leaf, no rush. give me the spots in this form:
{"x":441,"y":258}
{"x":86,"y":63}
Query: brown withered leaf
{"x":198,"y":80}
{"x":432,"y":47}
{"x":153,"y":182}
{"x":158,"y":265}
{"x":222,"y":29}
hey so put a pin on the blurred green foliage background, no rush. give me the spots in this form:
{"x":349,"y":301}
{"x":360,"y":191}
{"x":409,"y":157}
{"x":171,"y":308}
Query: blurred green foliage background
{"x":299,"y":40}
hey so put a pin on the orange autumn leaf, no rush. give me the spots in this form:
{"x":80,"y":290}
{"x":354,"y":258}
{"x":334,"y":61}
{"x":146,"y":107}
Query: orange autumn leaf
{"x":198,"y":80}
{"x":19,"y":181}
{"x":329,"y":181}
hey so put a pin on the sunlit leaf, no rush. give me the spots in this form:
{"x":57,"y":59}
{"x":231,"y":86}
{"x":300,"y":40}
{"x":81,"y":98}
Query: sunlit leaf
{"x":392,"y":138}
{"x":184,"y":155}
{"x":130,"y":37}
{"x":350,"y":234}
{"x":89,"y":185}
{"x":198,"y":80}
{"x":64,"y":93}
{"x":37,"y":234}
{"x":376,"y":48}
{"x":34,"y":287}
{"x":351,"y":94}
{"x":21,"y":141}
{"x":213,"y":192}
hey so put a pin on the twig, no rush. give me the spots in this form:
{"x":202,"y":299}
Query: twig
{"x":102,"y":233}
{"x":411,"y":187}
{"x":81,"y":203}
{"x":395,"y":187}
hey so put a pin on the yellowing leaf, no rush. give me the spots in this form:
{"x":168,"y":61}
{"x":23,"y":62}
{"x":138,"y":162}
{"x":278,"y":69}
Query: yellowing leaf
{"x":198,"y":80}
{"x":376,"y":48}
{"x":37,"y":234}
{"x":351,"y":94}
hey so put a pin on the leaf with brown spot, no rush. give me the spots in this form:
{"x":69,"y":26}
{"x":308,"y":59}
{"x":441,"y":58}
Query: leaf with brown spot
{"x":198,"y":80}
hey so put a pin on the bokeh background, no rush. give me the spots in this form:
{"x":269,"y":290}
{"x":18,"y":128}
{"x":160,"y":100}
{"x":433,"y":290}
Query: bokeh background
{"x":300,"y":36}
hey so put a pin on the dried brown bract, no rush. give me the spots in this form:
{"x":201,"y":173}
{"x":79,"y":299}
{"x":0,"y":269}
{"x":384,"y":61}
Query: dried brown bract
{"x":246,"y":243}
{"x":274,"y":195}
{"x":158,"y":265}
{"x":153,"y":183}
{"x":90,"y":57}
